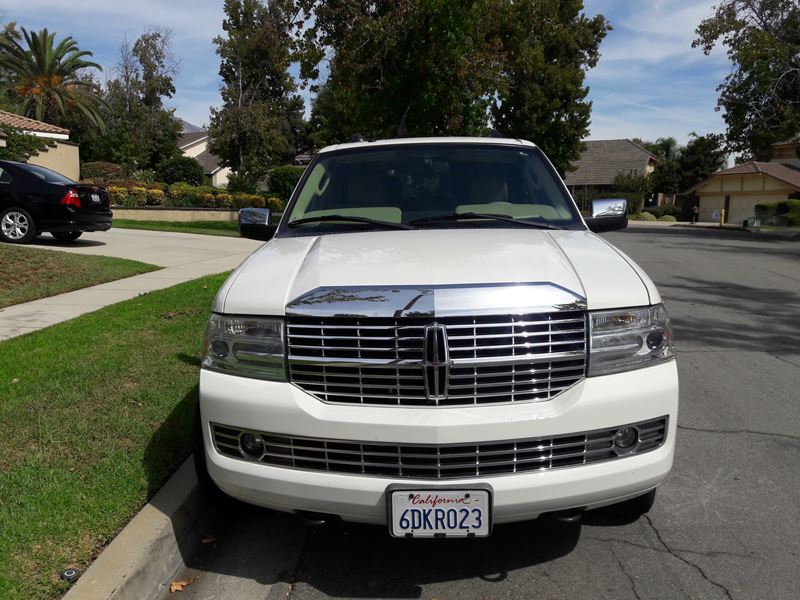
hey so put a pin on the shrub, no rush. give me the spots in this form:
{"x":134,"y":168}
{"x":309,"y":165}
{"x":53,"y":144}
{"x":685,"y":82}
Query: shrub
{"x":224,"y":200}
{"x":241,"y":183}
{"x":117,"y":195}
{"x":275,"y":204}
{"x":137,"y":196}
{"x":102,"y":170}
{"x":667,"y":218}
{"x":180,"y":168}
{"x":647,"y":216}
{"x":144,"y":175}
{"x":282,"y":181}
{"x":155,"y":197}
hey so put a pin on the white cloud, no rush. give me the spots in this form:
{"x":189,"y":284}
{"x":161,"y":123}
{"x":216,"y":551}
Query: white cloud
{"x":650,"y":82}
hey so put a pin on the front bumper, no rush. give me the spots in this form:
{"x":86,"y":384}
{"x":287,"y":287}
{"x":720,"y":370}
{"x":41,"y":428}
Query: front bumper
{"x":593,"y":403}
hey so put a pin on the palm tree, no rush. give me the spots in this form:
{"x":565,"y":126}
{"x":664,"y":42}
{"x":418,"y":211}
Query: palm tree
{"x":47,"y":78}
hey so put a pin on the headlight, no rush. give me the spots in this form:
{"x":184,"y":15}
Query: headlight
{"x":245,"y":346}
{"x":622,"y":340}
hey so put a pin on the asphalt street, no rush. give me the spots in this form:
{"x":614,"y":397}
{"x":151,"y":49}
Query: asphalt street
{"x":725,"y":523}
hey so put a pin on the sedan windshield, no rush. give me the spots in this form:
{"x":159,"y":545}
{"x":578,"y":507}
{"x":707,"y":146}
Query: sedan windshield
{"x":443,"y":185}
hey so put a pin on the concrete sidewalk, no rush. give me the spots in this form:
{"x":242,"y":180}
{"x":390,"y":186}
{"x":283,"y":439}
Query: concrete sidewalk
{"x":183,"y":256}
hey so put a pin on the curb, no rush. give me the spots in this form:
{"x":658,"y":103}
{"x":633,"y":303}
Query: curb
{"x":147,"y":552}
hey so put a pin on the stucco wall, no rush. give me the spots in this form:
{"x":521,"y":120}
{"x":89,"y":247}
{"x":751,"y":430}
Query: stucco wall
{"x":744,"y":191}
{"x":165,"y":214}
{"x":63,"y":157}
{"x":220,"y":178}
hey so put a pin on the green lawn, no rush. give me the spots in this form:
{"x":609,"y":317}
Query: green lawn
{"x":229,"y":228}
{"x":31,"y":273}
{"x":95,"y":414}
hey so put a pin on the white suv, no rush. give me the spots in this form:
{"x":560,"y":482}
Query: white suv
{"x":433,"y":339}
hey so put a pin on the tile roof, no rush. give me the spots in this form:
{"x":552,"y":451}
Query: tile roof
{"x":26,"y":124}
{"x":782,"y":172}
{"x":188,"y":138}
{"x":209,"y":162}
{"x":602,"y":160}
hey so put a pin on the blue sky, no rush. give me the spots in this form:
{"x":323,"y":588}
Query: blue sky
{"x":649,"y":82}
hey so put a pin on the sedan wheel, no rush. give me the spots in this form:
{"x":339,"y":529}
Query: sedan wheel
{"x":16,"y":226}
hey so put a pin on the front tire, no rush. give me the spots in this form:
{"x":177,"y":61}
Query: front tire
{"x":66,"y":236}
{"x":16,"y":226}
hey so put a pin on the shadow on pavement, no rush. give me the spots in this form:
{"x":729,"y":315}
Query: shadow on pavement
{"x":746,"y":318}
{"x":359,"y":561}
{"x":47,"y":241}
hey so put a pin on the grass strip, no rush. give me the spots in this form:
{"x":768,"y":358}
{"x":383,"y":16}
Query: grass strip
{"x":95,"y":414}
{"x":32,"y":273}
{"x":227,"y":228}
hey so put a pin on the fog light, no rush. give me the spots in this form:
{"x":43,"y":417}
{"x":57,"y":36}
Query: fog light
{"x":655,"y":339}
{"x":219,"y":348}
{"x":251,"y":445}
{"x":626,"y":439}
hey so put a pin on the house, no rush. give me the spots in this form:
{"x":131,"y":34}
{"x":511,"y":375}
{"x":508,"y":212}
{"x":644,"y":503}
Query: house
{"x":601,"y":162}
{"x":737,"y":190}
{"x":60,"y":154}
{"x":193,"y":142}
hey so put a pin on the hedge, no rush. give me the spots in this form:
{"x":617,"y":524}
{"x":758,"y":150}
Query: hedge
{"x":672,"y":210}
{"x":130,"y":193}
{"x":785,"y":213}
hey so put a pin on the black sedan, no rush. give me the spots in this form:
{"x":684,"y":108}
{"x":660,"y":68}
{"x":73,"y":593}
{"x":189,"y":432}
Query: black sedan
{"x":34,"y":199}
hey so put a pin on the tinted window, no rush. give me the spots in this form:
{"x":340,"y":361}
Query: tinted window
{"x":5,"y":176}
{"x":401,"y":184}
{"x":46,"y":174}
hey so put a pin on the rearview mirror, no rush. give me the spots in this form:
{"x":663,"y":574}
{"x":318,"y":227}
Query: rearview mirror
{"x":254,"y":224}
{"x":608,"y":214}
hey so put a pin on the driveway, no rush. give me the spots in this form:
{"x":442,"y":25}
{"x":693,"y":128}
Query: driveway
{"x":724,"y":524}
{"x":184,"y":256}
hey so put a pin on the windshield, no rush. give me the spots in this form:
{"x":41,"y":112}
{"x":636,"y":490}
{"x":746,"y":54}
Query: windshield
{"x":412,"y":185}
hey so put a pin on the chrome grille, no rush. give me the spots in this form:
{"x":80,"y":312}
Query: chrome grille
{"x":408,"y":461}
{"x":505,"y":358}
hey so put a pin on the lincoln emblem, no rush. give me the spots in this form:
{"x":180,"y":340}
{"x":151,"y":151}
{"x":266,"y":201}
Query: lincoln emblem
{"x":436,"y":361}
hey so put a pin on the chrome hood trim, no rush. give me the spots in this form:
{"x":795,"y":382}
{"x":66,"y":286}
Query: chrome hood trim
{"x":435,"y":300}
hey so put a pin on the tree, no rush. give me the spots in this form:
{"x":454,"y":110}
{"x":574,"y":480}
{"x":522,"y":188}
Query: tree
{"x":549,"y":45}
{"x":142,"y":132}
{"x":404,"y":67}
{"x":701,"y":157}
{"x":10,"y":31}
{"x":665,"y":179}
{"x":444,"y":67}
{"x":261,"y":115}
{"x":20,"y":146}
{"x":46,"y":76}
{"x":761,"y":95}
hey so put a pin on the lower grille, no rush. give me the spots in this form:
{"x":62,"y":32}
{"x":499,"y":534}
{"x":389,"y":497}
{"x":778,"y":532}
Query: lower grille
{"x":412,"y":461}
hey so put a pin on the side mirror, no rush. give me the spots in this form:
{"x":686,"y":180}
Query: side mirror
{"x":608,"y":214}
{"x":254,"y":224}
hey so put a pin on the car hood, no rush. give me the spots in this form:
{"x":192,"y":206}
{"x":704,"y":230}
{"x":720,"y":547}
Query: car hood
{"x":578,"y":261}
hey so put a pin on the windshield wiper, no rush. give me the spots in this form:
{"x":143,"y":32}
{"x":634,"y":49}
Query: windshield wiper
{"x":352,"y":219}
{"x":473,"y":215}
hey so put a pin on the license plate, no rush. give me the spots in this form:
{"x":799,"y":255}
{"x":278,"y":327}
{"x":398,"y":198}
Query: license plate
{"x":96,"y":198}
{"x":440,"y":513}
